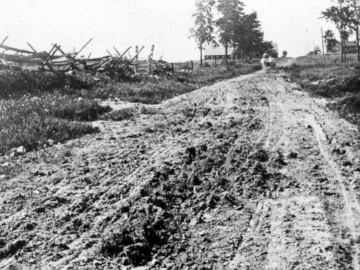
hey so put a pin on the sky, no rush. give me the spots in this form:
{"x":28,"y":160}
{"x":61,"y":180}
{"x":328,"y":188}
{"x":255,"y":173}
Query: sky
{"x":293,"y":24}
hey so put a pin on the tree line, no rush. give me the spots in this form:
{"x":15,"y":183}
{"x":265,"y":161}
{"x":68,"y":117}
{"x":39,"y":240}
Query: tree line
{"x":345,"y":14}
{"x":232,"y":28}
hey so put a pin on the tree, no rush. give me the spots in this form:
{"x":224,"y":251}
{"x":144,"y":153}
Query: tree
{"x":249,"y":38}
{"x":339,"y":15}
{"x":353,"y":20}
{"x":329,"y":37}
{"x":204,"y":25}
{"x":329,"y":34}
{"x":284,"y":53}
{"x":231,"y":12}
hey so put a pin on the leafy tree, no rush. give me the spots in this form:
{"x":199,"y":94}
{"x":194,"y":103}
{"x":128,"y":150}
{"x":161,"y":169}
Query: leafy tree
{"x":284,"y":53}
{"x":339,"y":15}
{"x":353,"y":20}
{"x":249,"y":37}
{"x":203,"y":32}
{"x":231,"y":12}
{"x":329,"y":36}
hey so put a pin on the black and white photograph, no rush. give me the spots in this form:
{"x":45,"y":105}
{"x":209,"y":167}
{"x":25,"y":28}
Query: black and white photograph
{"x":179,"y":135}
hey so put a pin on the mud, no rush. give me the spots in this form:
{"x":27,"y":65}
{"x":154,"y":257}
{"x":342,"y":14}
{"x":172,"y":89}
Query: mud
{"x":250,"y":173}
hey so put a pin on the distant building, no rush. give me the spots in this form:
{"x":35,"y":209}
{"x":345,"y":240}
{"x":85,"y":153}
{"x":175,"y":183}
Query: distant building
{"x":317,"y":50}
{"x":275,"y":46}
{"x":217,"y":53}
{"x":350,"y":46}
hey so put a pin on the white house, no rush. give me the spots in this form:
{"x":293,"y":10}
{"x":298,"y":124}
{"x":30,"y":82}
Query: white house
{"x":216,"y":53}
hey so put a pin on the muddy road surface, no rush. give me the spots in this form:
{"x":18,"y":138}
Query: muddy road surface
{"x":250,"y":173}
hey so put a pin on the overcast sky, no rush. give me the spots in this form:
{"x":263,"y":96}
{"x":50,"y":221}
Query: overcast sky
{"x":292,"y":24}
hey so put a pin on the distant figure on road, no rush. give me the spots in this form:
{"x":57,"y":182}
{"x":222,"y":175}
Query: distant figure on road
{"x":267,"y":61}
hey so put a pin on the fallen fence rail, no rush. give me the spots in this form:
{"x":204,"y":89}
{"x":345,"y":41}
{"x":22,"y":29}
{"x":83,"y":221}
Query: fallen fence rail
{"x":56,"y":60}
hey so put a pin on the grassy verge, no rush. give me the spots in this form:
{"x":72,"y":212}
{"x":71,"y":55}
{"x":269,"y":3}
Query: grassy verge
{"x":340,"y":84}
{"x":154,"y":91}
{"x":32,"y":121}
{"x":36,"y":107}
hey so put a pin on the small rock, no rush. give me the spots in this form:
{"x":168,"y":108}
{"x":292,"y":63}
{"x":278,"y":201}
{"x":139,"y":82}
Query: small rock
{"x":207,"y":218}
{"x":97,"y":263}
{"x":201,"y":233}
{"x":50,"y":142}
{"x":292,"y":155}
{"x":295,"y":86}
{"x":315,"y":83}
{"x":21,"y":150}
{"x":193,"y":222}
{"x":347,"y":163}
{"x":40,"y":210}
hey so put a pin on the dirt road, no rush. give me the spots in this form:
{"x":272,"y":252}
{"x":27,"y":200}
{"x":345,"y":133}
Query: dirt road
{"x":249,"y":173}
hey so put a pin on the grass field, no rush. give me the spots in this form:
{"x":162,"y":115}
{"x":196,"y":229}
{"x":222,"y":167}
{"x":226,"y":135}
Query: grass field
{"x":329,"y":59}
{"x":36,"y":107}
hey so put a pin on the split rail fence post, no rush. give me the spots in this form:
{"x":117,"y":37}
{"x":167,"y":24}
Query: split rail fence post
{"x":121,"y":56}
{"x":31,"y":47}
{"x":50,"y":55}
{"x":4,"y":40}
{"x":70,"y":59}
{"x":150,"y":67}
{"x":82,"y":48}
{"x":109,"y":53}
{"x":116,"y":51}
{"x":87,"y":60}
{"x":136,"y":58}
{"x":322,"y":40}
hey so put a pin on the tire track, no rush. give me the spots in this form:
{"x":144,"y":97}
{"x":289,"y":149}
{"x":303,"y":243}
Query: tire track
{"x":349,"y":200}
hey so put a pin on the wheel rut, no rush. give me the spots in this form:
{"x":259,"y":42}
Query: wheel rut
{"x":307,"y":222}
{"x":245,"y":174}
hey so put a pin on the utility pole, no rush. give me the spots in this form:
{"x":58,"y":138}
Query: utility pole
{"x":322,"y":40}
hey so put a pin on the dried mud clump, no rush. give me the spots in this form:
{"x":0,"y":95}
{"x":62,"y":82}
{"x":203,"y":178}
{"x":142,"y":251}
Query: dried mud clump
{"x":11,"y":248}
{"x":153,"y":223}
